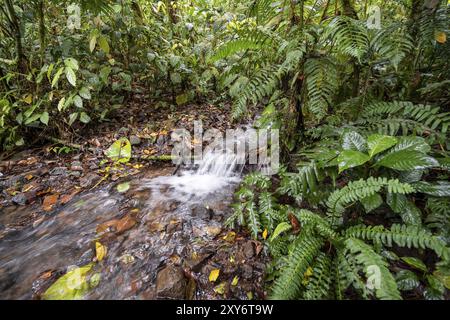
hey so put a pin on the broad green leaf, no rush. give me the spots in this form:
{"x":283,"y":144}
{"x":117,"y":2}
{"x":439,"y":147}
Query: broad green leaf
{"x":77,"y":101}
{"x":33,"y":118}
{"x":349,"y":159}
{"x":44,"y":117}
{"x":71,"y":286}
{"x":92,"y":43}
{"x":104,"y":74}
{"x":407,"y":280}
{"x":406,"y":160}
{"x":71,"y":77}
{"x":354,"y":141}
{"x":411,"y":215}
{"x":123,"y":187}
{"x":396,"y":201}
{"x":71,"y":63}
{"x":84,"y":117}
{"x":72,"y":118}
{"x":49,"y":71}
{"x":61,"y":104}
{"x":57,"y":76}
{"x":103,"y":44}
{"x":378,"y":143}
{"x":415,"y":263}
{"x":85,"y":93}
{"x":372,"y":202}
{"x":120,"y":150}
{"x":411,"y":143}
{"x":282,"y":227}
{"x":438,"y":189}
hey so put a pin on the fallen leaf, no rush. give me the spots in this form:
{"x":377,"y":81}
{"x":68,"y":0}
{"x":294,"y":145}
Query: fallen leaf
{"x":230,"y":236}
{"x":264,"y":234}
{"x":100,"y":251}
{"x":125,"y":224}
{"x":71,"y":286}
{"x":123,"y":187}
{"x":441,"y":37}
{"x":49,"y":202}
{"x":220,"y":289}
{"x":235,"y":281}
{"x":214,"y":275}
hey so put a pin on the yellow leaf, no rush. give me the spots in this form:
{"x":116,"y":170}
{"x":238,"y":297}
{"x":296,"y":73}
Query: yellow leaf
{"x":235,"y":281}
{"x":214,"y":275}
{"x":100,"y":251}
{"x":441,"y":37}
{"x":264,"y":234}
{"x":309,"y":272}
{"x":220,"y":289}
{"x":28,"y":98}
{"x":230,"y":236}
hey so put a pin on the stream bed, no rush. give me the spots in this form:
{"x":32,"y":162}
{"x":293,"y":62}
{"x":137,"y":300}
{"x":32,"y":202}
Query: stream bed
{"x":160,"y":239}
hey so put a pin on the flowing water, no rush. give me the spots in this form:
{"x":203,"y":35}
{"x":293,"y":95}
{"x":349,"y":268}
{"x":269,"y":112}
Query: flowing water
{"x":161,"y":218}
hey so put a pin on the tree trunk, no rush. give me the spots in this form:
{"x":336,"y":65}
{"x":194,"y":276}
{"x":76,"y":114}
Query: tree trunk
{"x":22,"y":63}
{"x":348,"y":9}
{"x":42,"y":31}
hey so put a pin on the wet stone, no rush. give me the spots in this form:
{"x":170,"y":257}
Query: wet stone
{"x":171,"y":283}
{"x":20,"y":199}
{"x":135,"y":140}
{"x":88,"y":180}
{"x":247,"y":271}
{"x":248,"y":250}
{"x":58,"y":171}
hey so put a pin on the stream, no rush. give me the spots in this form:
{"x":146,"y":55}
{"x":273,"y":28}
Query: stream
{"x":162,"y":226}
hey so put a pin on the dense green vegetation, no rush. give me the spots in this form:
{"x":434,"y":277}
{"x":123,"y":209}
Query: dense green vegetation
{"x":363,"y":110}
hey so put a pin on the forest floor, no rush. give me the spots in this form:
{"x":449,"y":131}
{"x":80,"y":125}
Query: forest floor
{"x":39,"y":185}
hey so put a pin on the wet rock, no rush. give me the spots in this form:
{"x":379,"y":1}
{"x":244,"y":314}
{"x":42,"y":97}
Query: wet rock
{"x":75,"y":174}
{"x":171,"y":283}
{"x":248,"y":250}
{"x":247,"y":271}
{"x":89,"y":180}
{"x":76,"y":166}
{"x":58,"y":171}
{"x":162,"y":139}
{"x":20,"y":199}
{"x":213,"y":231}
{"x":135,"y":140}
{"x":200,"y":212}
{"x":174,"y":225}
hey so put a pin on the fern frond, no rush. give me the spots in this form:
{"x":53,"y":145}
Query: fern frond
{"x":386,"y":288}
{"x":322,"y":83}
{"x":319,"y":284}
{"x":289,"y":284}
{"x":357,"y":190}
{"x":392,"y":44}
{"x":319,"y":224}
{"x":402,"y":235}
{"x":349,"y":36}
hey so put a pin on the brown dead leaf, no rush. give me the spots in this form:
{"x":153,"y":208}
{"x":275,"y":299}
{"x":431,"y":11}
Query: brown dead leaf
{"x":294,"y":222}
{"x":126,"y":223}
{"x":67,"y":197}
{"x":106,"y":225}
{"x":49,"y":202}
